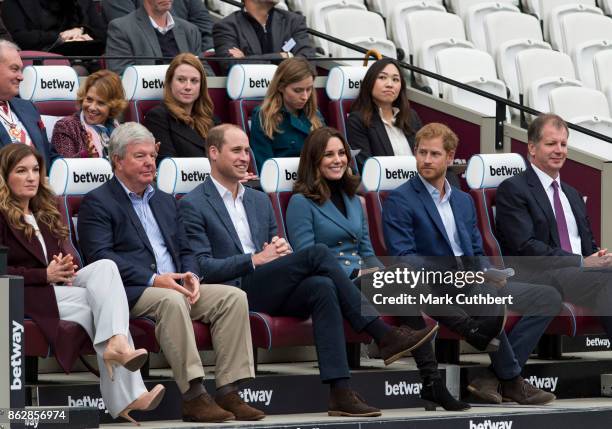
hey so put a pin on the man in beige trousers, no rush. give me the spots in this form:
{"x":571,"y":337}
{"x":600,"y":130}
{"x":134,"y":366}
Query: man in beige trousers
{"x":128,"y":221}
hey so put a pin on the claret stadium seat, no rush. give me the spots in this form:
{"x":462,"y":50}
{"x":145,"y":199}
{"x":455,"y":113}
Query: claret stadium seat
{"x":342,"y":88}
{"x":144,"y":89}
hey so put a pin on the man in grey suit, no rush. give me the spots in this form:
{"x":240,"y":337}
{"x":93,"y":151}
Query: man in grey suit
{"x":150,"y":31}
{"x":193,"y":11}
{"x":262,"y":30}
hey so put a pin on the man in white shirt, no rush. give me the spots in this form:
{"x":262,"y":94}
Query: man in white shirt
{"x":541,"y":217}
{"x":150,"y":31}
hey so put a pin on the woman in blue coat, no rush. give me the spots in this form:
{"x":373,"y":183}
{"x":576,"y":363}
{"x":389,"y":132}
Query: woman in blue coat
{"x":325,"y":209}
{"x":288,"y":114}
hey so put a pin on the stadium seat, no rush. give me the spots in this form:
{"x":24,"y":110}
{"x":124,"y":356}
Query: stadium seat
{"x":558,"y":14}
{"x":583,"y":35}
{"x":602,"y":64}
{"x":396,"y":21}
{"x":507,"y":34}
{"x":472,"y":67}
{"x":606,"y":6}
{"x":342,"y":89}
{"x":542,"y":9}
{"x":386,"y":7}
{"x":541,"y":70}
{"x":178,"y":176}
{"x":50,"y":59}
{"x":360,"y":27}
{"x":316,"y":17}
{"x":461,"y":7}
{"x":144,"y":89}
{"x":475,"y":16}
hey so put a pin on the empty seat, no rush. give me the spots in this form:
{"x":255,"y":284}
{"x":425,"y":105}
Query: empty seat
{"x":602,"y":64}
{"x":144,"y":89}
{"x":475,"y":16}
{"x":396,"y":20}
{"x":541,"y":70}
{"x":385,"y":7}
{"x":606,"y":6}
{"x":360,"y":27}
{"x":472,"y":67}
{"x":542,"y":9}
{"x":583,"y":35}
{"x":552,"y":28}
{"x":461,"y":7}
{"x":316,"y":16}
{"x":507,"y":34}
{"x":342,"y":88}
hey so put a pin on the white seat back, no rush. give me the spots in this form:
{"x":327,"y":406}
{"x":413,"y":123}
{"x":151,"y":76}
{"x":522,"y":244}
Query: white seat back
{"x":308,"y":6}
{"x":363,"y":28}
{"x":556,"y":16}
{"x":461,"y":7}
{"x":602,"y":63}
{"x":542,"y":8}
{"x":475,"y":16}
{"x":316,"y":17}
{"x":385,"y":7}
{"x":572,"y":102}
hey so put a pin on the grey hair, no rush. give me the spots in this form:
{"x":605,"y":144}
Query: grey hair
{"x":7,"y":44}
{"x":126,"y":134}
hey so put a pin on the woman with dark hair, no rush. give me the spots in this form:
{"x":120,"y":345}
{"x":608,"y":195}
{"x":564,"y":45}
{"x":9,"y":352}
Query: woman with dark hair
{"x":288,"y":114}
{"x":325,"y":209}
{"x":42,"y":25}
{"x":85,"y":134}
{"x":56,"y":289}
{"x":381,"y":122}
{"x":181,"y":123}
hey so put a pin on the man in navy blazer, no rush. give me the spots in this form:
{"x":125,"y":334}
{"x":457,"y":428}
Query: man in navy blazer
{"x":21,"y":121}
{"x":232,"y":230}
{"x":133,"y":224}
{"x":528,"y":224}
{"x":427,"y":217}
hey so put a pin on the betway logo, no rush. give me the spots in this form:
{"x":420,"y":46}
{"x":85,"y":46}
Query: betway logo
{"x":90,"y":177}
{"x":504,"y":171}
{"x":259,"y":83}
{"x":402,"y":388}
{"x":262,"y":396}
{"x":291,"y":175}
{"x":194,"y":176}
{"x":57,"y":84}
{"x":598,"y":342}
{"x":354,"y":84}
{"x":152,"y":84}
{"x":400,"y":174}
{"x":548,"y":383}
{"x":87,"y":401}
{"x":16,"y":362}
{"x":490,"y":424}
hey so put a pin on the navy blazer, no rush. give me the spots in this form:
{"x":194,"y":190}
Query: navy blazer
{"x":214,"y":239}
{"x":526,"y":225}
{"x":309,"y":223}
{"x":109,"y":228}
{"x":413,"y":226}
{"x":30,"y":118}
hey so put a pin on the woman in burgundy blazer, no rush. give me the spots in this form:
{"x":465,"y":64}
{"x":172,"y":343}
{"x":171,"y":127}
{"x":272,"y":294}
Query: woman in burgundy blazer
{"x":39,"y":251}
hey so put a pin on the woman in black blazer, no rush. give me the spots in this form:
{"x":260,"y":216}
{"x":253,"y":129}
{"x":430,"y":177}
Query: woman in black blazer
{"x":382,"y":97}
{"x":181,"y":123}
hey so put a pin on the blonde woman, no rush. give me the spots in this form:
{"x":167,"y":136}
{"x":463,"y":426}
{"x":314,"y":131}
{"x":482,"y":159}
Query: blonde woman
{"x":32,"y":228}
{"x":181,"y":123}
{"x":288,"y":114}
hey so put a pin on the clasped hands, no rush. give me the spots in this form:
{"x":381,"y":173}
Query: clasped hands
{"x":61,"y":269}
{"x":278,"y":247}
{"x":190,"y":287}
{"x":76,"y":34}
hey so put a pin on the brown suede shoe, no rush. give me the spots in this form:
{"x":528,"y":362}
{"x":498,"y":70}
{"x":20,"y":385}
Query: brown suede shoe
{"x":486,"y":389}
{"x":233,"y":403}
{"x":204,"y":409}
{"x":521,"y":391}
{"x":348,"y":403}
{"x":400,"y":341}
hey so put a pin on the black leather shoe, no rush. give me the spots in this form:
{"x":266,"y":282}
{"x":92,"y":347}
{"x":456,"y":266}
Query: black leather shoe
{"x":435,"y":393}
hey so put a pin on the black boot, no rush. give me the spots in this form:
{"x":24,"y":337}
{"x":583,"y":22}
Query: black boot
{"x":435,"y":393}
{"x":480,"y":333}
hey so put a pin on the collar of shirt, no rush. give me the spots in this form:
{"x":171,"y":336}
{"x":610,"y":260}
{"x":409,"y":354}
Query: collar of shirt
{"x":133,"y":196}
{"x":435,"y":194}
{"x":169,"y":24}
{"x":395,"y":111}
{"x":545,"y":179}
{"x":252,"y":19}
{"x":223,"y":191}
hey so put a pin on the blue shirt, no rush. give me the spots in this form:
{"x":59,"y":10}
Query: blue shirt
{"x":163,"y":258}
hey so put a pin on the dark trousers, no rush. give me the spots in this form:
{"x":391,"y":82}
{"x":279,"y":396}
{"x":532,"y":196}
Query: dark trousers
{"x":312,"y":283}
{"x":592,"y":289}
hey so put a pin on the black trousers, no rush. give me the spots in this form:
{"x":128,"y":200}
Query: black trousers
{"x":312,"y":283}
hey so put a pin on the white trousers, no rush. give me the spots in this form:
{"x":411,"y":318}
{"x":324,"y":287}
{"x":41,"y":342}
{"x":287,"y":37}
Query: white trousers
{"x":98,"y":303}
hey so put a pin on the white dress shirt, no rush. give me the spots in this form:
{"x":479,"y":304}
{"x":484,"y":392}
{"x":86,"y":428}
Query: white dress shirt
{"x":169,"y":24}
{"x":446,"y":213}
{"x":235,"y":208}
{"x":398,"y":139}
{"x":572,"y":226}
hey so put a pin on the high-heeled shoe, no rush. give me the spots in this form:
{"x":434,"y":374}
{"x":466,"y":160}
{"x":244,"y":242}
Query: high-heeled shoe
{"x":132,"y":360}
{"x":146,"y":402}
{"x":434,"y":393}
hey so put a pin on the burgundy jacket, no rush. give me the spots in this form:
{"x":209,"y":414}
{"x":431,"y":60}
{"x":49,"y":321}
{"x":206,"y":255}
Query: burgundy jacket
{"x":70,"y":137}
{"x":26,"y":259}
